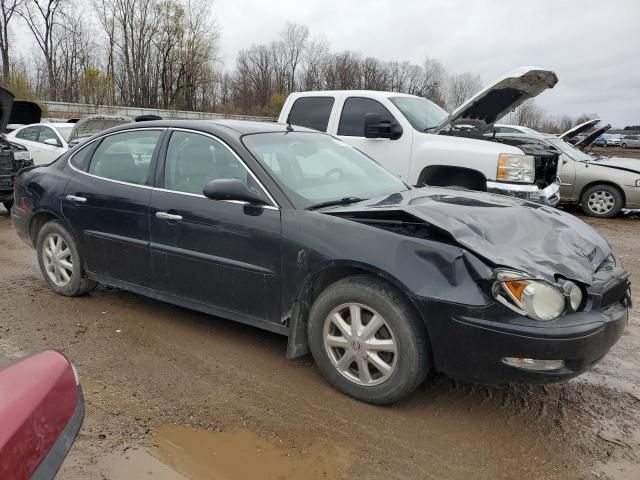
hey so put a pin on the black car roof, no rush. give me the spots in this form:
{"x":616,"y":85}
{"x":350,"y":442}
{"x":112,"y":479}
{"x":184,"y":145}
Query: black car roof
{"x":241,"y":127}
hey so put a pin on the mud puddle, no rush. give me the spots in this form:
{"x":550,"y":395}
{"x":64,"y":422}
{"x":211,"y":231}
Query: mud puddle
{"x":180,"y":453}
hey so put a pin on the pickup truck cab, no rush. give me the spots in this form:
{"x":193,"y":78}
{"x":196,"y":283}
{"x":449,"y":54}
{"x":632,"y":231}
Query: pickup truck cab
{"x":422,"y":144}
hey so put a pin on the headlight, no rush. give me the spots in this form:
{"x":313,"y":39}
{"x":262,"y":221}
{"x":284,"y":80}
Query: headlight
{"x":22,"y":155}
{"x":515,"y":168}
{"x":573,"y":294}
{"x":530,"y":296}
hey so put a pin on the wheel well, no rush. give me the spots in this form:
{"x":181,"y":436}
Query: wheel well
{"x":600,"y":182}
{"x":444,"y":176}
{"x":37,"y":223}
{"x":298,"y":344}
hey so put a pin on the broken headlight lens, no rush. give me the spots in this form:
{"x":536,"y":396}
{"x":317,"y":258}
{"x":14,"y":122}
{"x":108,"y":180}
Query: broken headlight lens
{"x":515,"y":168}
{"x":529,"y":296}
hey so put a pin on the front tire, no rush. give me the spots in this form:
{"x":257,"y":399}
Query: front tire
{"x":8,"y":204}
{"x":602,"y":201}
{"x":60,"y":261}
{"x":368,"y":341}
{"x":624,"y":145}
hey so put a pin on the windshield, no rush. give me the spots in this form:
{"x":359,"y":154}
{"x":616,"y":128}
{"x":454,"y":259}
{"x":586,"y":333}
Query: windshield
{"x":315,"y":168}
{"x":421,"y":113}
{"x":570,"y":150}
{"x":64,"y":130}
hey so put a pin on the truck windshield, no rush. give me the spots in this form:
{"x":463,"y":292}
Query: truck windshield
{"x":569,"y":150}
{"x":314,"y":168}
{"x":421,"y":113}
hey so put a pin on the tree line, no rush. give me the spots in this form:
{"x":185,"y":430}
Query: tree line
{"x":163,"y":54}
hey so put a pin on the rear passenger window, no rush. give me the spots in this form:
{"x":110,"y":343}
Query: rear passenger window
{"x":354,"y":112}
{"x":311,"y":112}
{"x":125,"y":156}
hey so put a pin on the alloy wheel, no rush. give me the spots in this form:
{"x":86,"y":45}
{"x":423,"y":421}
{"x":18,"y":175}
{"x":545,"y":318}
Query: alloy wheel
{"x":601,"y":202}
{"x":57,"y":258}
{"x":360,"y":344}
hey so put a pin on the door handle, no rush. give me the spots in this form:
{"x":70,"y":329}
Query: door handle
{"x":73,"y":198}
{"x":168,"y":216}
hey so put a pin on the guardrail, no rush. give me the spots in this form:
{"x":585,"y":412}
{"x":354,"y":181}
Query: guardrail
{"x":78,"y":110}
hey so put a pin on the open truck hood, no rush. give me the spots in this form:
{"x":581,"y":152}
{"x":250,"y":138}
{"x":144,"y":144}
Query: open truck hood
{"x":505,"y":231}
{"x":88,"y":126}
{"x":495,"y":101}
{"x":591,"y":137}
{"x":578,"y":129}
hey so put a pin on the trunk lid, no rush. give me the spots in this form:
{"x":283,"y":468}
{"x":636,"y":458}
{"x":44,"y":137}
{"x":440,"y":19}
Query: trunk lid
{"x":493,"y":102}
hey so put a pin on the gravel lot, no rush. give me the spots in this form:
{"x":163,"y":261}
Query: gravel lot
{"x":174,"y":394}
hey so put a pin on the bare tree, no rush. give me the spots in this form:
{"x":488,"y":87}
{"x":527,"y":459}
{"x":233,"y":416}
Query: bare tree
{"x":528,"y":115}
{"x":43,"y":17}
{"x":461,"y":87}
{"x":8,"y":8}
{"x":294,"y":39}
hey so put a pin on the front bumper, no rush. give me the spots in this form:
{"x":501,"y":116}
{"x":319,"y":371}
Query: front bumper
{"x":550,"y":195}
{"x":471,"y":343}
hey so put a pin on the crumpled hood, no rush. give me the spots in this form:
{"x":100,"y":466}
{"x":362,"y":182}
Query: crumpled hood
{"x":508,"y":232}
{"x":628,"y":164}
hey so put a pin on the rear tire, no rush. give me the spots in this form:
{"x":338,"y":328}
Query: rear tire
{"x":60,"y":261}
{"x":385,"y":356}
{"x":602,"y":201}
{"x":8,"y":204}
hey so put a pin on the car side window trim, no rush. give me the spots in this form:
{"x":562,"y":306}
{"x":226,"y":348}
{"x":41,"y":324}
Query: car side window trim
{"x":160,"y":153}
{"x":96,"y":143}
{"x":160,"y":174}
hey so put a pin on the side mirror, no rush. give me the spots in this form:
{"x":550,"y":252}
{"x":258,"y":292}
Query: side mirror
{"x":375,"y":127}
{"x":53,"y":142}
{"x":231,"y":189}
{"x":41,"y":412}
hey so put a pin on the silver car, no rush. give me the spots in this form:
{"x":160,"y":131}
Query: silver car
{"x":631,"y":141}
{"x":601,"y":185}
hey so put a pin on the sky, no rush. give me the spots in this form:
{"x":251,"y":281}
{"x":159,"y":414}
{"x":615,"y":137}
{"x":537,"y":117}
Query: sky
{"x":593,"y":46}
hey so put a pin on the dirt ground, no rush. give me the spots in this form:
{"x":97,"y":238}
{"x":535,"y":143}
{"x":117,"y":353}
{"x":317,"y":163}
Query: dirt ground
{"x":174,"y":394}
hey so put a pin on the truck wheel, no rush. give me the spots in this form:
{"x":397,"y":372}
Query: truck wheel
{"x":8,"y":204}
{"x":368,"y":341}
{"x":603,"y":201}
{"x":624,"y":145}
{"x":60,"y":261}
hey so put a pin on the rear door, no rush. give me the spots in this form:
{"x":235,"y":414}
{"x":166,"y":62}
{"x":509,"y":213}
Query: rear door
{"x":107,"y":203}
{"x":28,"y":136}
{"x":221,"y":254}
{"x":395,"y":154}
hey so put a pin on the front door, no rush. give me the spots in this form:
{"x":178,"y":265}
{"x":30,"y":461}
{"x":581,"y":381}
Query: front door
{"x":49,"y":151}
{"x":107,"y":203}
{"x":393,"y":155}
{"x":221,"y":254}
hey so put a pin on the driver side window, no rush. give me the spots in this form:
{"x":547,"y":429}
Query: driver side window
{"x":353,"y":114}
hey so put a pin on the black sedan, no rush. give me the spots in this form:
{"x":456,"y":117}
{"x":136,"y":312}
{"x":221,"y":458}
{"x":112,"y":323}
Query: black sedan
{"x":296,"y":232}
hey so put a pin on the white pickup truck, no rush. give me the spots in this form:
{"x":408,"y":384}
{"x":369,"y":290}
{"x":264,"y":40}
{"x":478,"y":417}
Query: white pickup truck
{"x":424,"y":145}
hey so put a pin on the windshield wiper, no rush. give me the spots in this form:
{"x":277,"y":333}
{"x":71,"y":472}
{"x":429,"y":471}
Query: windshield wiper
{"x":341,"y":201}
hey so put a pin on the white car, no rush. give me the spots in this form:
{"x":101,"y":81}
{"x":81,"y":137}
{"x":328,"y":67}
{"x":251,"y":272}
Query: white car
{"x":45,"y":141}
